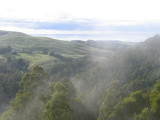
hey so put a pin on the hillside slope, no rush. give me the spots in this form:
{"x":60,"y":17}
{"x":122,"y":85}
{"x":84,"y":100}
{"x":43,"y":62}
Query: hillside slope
{"x":42,"y":50}
{"x":122,"y":87}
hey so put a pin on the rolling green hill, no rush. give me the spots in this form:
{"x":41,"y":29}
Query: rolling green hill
{"x":21,"y":42}
{"x":37,"y":50}
{"x":121,"y":85}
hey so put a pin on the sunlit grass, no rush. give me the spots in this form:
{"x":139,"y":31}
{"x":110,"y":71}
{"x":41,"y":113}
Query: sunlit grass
{"x":36,"y":59}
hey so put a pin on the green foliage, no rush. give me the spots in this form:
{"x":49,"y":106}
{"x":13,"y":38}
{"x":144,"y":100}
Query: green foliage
{"x":22,"y":98}
{"x":69,"y":85}
{"x":111,"y":98}
{"x":31,"y":81}
{"x":27,"y":104}
{"x":4,"y":50}
{"x":145,"y":115}
{"x":155,"y":100}
{"x":60,"y":57}
{"x":10,"y":75}
{"x":60,"y":88}
{"x":77,"y":88}
{"x":9,"y":115}
{"x":45,"y":51}
{"x":58,"y":107}
{"x":125,"y":109}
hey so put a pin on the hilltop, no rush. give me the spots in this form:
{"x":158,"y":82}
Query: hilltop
{"x":42,"y":50}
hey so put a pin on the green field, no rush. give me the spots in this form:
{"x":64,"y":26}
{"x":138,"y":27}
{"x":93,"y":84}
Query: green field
{"x":31,"y":48}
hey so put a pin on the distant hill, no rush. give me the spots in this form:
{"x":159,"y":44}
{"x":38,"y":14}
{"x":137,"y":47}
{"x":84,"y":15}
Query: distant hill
{"x":39,"y":48}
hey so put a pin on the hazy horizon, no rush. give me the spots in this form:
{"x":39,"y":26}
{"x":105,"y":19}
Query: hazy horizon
{"x":97,"y":37}
{"x":124,"y":20}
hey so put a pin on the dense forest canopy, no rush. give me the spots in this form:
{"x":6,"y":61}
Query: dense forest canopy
{"x":78,"y":80}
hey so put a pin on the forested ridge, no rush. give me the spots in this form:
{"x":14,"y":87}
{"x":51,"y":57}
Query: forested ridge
{"x":122,"y":86}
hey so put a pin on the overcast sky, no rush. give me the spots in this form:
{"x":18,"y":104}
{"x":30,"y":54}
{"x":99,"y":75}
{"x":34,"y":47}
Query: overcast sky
{"x":125,"y":20}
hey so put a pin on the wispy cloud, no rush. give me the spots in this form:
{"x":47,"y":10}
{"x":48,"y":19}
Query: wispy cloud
{"x":102,"y":19}
{"x":85,"y":29}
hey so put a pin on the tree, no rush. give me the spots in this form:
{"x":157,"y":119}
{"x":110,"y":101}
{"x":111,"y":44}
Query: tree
{"x":155,"y":100}
{"x":27,"y":104}
{"x":145,"y":115}
{"x":129,"y":106}
{"x":111,"y":98}
{"x":58,"y":107}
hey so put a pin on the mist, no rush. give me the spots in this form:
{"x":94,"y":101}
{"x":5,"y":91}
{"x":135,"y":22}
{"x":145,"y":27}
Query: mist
{"x":80,"y":80}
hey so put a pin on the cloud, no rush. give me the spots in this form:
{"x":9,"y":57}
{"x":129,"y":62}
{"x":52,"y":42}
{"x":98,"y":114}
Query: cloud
{"x":84,"y":29}
{"x":105,"y":17}
{"x":64,"y":10}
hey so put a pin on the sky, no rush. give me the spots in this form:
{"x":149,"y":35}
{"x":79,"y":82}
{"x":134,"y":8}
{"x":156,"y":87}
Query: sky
{"x":124,"y":20}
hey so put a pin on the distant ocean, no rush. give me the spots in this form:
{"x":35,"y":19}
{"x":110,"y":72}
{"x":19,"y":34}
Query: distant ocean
{"x":119,"y":37}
